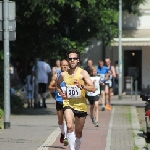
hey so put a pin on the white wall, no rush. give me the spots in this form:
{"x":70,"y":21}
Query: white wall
{"x":145,"y":6}
{"x":131,"y":21}
{"x":94,"y":52}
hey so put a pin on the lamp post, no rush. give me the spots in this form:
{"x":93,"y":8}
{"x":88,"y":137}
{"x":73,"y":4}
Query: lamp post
{"x":120,"y":51}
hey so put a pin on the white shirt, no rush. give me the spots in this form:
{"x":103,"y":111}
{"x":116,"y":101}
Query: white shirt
{"x":117,"y":69}
{"x":43,"y":70}
{"x":97,"y":86}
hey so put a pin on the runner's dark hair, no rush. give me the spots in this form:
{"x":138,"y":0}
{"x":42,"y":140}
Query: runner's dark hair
{"x":73,"y":51}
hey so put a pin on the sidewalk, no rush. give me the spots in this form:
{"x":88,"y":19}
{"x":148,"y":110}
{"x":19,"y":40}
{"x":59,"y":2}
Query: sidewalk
{"x":119,"y":129}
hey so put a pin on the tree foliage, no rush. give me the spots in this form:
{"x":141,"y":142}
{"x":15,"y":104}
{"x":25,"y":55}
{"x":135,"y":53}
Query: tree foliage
{"x":50,"y":27}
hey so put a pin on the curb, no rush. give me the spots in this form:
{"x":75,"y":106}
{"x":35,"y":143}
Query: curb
{"x":108,"y":138}
{"x":139,"y":139}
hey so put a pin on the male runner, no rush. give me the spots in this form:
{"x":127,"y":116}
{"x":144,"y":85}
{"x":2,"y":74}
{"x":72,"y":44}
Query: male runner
{"x":89,"y":66}
{"x":93,"y":98}
{"x":109,"y":83}
{"x":102,"y":72}
{"x":59,"y":102}
{"x":77,"y":81}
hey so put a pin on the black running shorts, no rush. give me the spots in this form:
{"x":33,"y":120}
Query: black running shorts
{"x":59,"y":106}
{"x":102,"y":87}
{"x":76,"y":112}
{"x":92,"y":99}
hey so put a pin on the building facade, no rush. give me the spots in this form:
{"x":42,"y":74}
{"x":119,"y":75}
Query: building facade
{"x":135,"y":47}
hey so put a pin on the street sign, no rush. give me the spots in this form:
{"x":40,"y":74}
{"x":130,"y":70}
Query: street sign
{"x":12,"y":10}
{"x":12,"y":35}
{"x":12,"y":25}
{"x":11,"y":18}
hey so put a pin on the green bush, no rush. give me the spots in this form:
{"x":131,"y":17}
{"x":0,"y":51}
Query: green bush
{"x":1,"y":113}
{"x":1,"y":102}
{"x":16,"y":101}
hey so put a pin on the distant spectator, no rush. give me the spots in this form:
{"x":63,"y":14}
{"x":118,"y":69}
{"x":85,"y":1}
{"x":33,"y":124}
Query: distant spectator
{"x":89,"y":66}
{"x":12,"y":90}
{"x":57,"y":68}
{"x":116,"y":69}
{"x":30,"y":64}
{"x":115,"y":83}
{"x":30,"y":89}
{"x":43,"y":72}
{"x":11,"y":70}
{"x":19,"y":72}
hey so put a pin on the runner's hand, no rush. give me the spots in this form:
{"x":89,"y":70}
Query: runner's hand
{"x":63,"y":95}
{"x":76,"y":82}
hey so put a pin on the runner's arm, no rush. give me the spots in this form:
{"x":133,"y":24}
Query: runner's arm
{"x":107,"y":76}
{"x":58,"y":88}
{"x":53,"y":70}
{"x":52,"y":85}
{"x":88,"y":82}
{"x":113,"y":71}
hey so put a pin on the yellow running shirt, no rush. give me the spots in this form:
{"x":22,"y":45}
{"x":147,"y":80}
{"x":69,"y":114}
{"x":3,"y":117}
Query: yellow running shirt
{"x":75,"y":96}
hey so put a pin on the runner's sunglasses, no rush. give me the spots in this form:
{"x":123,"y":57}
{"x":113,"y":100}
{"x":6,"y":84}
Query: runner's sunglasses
{"x":74,"y":58}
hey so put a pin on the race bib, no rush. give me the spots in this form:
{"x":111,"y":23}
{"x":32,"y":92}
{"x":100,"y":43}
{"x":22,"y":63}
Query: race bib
{"x":102,"y":77}
{"x":73,"y":91}
{"x":63,"y":89}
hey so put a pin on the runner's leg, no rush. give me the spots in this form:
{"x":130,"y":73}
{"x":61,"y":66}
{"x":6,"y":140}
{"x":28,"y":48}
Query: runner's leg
{"x":110,"y":95}
{"x":107,"y":91}
{"x":91,"y":110}
{"x":96,"y":111}
{"x":69,"y":117}
{"x":60,"y":120}
{"x":103,"y":98}
{"x":79,"y":124}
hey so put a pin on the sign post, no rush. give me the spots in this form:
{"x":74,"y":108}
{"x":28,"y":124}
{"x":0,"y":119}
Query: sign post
{"x":120,"y":51}
{"x":7,"y":25}
{"x":6,"y":67}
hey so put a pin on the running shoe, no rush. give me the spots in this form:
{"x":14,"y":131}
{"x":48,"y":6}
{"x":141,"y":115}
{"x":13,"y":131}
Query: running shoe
{"x":62,"y":138}
{"x":93,"y":120}
{"x":103,"y":108}
{"x":65,"y":142}
{"x":108,"y":107}
{"x":96,"y":124}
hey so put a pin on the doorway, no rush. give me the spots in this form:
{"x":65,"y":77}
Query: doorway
{"x":133,"y":66}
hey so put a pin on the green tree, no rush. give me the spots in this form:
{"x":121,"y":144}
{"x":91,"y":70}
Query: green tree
{"x":50,"y":27}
